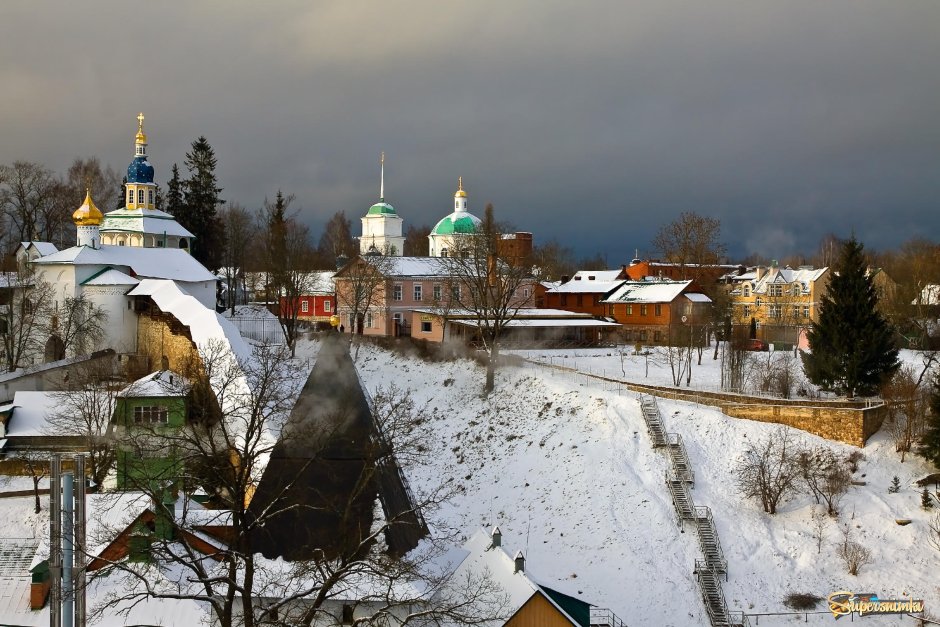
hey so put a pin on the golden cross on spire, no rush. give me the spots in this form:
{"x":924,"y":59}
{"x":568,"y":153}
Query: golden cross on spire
{"x":459,"y":183}
{"x":140,"y":121}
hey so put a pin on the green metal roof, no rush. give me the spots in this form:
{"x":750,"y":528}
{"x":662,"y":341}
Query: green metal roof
{"x":381,"y":208}
{"x":461,"y":222}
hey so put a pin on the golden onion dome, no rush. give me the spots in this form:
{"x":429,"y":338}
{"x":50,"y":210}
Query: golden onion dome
{"x":460,"y":193}
{"x":88,"y":214}
{"x":141,"y":138}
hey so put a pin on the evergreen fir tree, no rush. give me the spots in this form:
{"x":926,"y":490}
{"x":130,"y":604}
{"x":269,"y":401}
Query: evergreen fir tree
{"x":930,"y":439}
{"x":852,"y":345}
{"x":122,"y":199}
{"x":926,"y":501}
{"x":158,"y":199}
{"x":201,"y":197}
{"x":895,"y":485}
{"x":174,"y":194}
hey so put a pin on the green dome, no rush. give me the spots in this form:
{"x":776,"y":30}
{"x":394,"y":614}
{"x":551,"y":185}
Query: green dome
{"x":457,"y":222}
{"x":380,"y":209}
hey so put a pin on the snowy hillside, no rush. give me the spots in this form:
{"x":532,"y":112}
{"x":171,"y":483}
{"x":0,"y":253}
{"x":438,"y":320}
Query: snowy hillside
{"x":565,"y":467}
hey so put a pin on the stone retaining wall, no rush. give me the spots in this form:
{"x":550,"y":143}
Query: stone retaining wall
{"x":852,"y":422}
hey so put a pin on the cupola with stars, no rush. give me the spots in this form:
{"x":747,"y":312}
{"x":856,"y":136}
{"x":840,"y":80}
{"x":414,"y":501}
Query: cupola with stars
{"x":141,"y":189}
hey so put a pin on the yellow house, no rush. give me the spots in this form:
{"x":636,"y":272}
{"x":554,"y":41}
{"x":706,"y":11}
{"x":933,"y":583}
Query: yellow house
{"x":525,"y":602}
{"x":782,"y":302}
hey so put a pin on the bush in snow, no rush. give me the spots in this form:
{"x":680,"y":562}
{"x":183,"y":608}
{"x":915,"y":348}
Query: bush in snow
{"x":770,"y":469}
{"x":853,"y":554}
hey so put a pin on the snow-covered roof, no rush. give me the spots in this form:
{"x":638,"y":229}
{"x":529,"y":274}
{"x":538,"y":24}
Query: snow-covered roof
{"x":205,"y":325}
{"x":411,"y":266}
{"x":526,"y":313}
{"x":43,"y":248}
{"x":149,"y":221}
{"x":151,"y":263}
{"x":695,"y":297}
{"x":163,"y":383}
{"x":31,"y":411}
{"x":484,"y":560}
{"x":530,"y":323}
{"x":590,"y":282}
{"x":110,"y":276}
{"x":657,"y":291}
{"x":804,"y":275}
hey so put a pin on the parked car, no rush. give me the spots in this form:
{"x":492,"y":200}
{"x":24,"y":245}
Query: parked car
{"x":756,"y":345}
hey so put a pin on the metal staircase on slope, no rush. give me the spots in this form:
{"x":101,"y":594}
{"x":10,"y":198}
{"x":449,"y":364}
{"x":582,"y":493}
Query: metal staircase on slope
{"x":654,"y":422}
{"x":709,"y":543}
{"x":680,"y":458}
{"x":681,"y":497}
{"x":713,"y":564}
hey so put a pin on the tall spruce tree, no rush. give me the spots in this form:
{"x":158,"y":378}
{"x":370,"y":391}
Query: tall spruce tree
{"x":930,"y":439}
{"x":201,"y":198}
{"x":852,"y":345}
{"x":174,"y":194}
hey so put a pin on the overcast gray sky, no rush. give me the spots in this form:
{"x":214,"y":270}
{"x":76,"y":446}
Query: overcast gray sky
{"x":589,"y":122}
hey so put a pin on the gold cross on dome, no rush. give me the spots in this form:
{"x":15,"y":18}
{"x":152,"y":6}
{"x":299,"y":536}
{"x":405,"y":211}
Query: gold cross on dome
{"x":140,"y":121}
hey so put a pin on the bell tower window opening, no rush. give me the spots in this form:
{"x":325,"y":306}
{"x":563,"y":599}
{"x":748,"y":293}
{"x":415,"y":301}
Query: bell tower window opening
{"x":130,"y":196}
{"x":140,"y":196}
{"x":150,"y":196}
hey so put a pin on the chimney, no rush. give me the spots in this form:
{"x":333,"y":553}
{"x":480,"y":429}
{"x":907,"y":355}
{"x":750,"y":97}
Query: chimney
{"x":520,"y":563}
{"x":565,"y":278}
{"x":759,"y":272}
{"x":497,"y":537}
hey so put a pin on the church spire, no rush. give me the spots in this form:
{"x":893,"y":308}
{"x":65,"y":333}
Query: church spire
{"x":382,"y":181}
{"x":140,"y":140}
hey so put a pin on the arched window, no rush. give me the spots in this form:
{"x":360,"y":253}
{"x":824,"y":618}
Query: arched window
{"x":130,"y":196}
{"x":150,"y":196}
{"x":444,"y":252}
{"x":140,"y":196}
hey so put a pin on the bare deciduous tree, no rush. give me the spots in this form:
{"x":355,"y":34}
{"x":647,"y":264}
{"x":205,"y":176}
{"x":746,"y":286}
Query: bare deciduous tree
{"x":79,"y":325}
{"x":853,"y":554}
{"x":489,"y":285}
{"x":825,"y":475}
{"x":225,"y":450}
{"x":238,"y":231}
{"x":819,"y":520}
{"x":361,"y":289}
{"x":933,"y":531}
{"x":337,"y":241}
{"x":290,"y":261}
{"x":85,"y":411}
{"x":27,"y":193}
{"x":26,"y":303}
{"x":907,"y":405}
{"x":769,"y":469}
{"x":690,"y":241}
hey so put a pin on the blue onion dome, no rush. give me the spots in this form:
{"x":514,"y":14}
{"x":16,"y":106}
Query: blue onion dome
{"x":140,"y":171}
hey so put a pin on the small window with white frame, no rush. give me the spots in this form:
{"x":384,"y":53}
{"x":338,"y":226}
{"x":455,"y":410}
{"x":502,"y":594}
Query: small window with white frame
{"x":327,"y":306}
{"x":304,"y":306}
{"x":417,"y":292}
{"x":437,"y":292}
{"x":396,"y":292}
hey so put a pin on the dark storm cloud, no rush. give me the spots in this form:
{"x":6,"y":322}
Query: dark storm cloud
{"x":593,"y":123}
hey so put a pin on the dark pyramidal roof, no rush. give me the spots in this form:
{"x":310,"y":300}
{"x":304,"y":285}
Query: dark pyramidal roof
{"x":327,"y":469}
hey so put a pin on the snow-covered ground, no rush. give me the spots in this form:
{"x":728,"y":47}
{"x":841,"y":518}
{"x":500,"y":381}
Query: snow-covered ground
{"x":563,"y":464}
